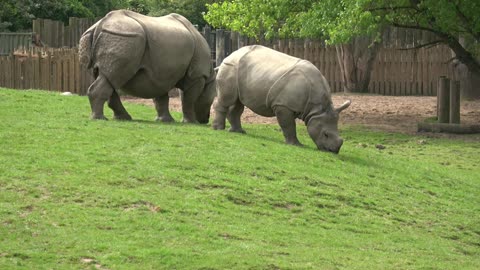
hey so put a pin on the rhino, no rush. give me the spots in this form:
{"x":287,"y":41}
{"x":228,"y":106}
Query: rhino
{"x":271,"y":83}
{"x":146,"y":57}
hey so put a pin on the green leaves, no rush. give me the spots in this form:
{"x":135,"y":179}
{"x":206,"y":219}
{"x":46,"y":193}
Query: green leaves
{"x":340,"y":20}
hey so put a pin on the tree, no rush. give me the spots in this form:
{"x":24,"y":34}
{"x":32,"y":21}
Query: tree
{"x":193,"y":10}
{"x":340,"y":21}
{"x":18,"y":14}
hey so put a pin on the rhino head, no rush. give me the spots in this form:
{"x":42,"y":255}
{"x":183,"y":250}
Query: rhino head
{"x":323,"y":129}
{"x":204,"y":102}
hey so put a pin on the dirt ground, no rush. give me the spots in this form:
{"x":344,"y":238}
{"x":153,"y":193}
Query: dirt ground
{"x":384,"y":113}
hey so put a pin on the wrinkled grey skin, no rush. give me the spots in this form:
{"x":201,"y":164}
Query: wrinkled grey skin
{"x":271,"y":83}
{"x":146,"y":57}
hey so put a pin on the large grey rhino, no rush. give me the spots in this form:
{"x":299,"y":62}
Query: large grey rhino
{"x":271,"y":83}
{"x":146,"y":57}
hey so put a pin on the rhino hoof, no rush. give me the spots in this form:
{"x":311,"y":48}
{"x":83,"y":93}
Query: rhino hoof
{"x":237,"y":130}
{"x":96,"y":117}
{"x":189,"y":121}
{"x":125,"y":117}
{"x":165,"y":119}
{"x":218,"y":127}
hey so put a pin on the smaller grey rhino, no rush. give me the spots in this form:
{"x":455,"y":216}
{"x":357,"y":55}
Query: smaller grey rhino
{"x":271,"y":83}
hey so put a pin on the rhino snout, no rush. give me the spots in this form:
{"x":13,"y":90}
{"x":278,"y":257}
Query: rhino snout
{"x":333,"y":147}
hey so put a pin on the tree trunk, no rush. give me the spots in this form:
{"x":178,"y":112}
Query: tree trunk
{"x":356,"y":61}
{"x":469,"y":82}
{"x":468,"y":75}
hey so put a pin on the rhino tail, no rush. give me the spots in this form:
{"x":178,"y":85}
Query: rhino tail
{"x":85,"y":45}
{"x":84,"y":49}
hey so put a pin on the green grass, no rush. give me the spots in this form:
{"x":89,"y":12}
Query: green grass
{"x":83,"y":194}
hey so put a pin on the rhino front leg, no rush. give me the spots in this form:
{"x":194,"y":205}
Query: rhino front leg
{"x":234,"y":116}
{"x":190,"y":95}
{"x":163,"y":113}
{"x":286,"y":120}
{"x":220,"y":116}
{"x":98,"y":93}
{"x":119,"y":112}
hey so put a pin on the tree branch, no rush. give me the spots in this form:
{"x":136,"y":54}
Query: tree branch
{"x":393,"y":8}
{"x":465,"y":21}
{"x":418,"y":27}
{"x":428,"y":45}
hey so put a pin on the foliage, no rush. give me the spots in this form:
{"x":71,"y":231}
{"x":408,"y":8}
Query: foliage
{"x":339,"y":21}
{"x":82,"y":194}
{"x":191,"y":9}
{"x":18,"y":15}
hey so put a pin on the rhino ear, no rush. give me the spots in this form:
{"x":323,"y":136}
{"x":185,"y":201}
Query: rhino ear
{"x":343,"y":106}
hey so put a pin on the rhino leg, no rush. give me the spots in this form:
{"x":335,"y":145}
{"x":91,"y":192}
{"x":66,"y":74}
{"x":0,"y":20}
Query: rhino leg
{"x":227,"y":98}
{"x":119,"y":112}
{"x":234,"y":115}
{"x":286,"y":120}
{"x":98,"y":93}
{"x":220,"y":116}
{"x":190,"y":94}
{"x":163,"y":113}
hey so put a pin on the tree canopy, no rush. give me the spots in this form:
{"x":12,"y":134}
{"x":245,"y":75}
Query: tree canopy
{"x":338,"y":21}
{"x":191,"y":9}
{"x":17,"y":15}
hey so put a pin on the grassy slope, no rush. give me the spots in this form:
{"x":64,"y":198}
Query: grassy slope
{"x":77,"y":193}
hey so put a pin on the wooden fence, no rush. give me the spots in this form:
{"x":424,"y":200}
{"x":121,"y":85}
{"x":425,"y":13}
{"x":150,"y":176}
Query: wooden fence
{"x":10,"y":41}
{"x":395,"y":71}
{"x":55,"y":34}
{"x":49,"y":69}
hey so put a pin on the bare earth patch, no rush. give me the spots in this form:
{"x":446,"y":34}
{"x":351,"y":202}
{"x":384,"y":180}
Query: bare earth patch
{"x":384,"y":113}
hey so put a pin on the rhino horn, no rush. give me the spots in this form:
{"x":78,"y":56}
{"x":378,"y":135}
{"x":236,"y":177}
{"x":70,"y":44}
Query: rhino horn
{"x":343,"y":106}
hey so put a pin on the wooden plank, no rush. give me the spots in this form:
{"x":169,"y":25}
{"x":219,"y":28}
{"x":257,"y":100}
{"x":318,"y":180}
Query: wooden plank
{"x":48,"y":70}
{"x":454,"y":114}
{"x":2,"y":71}
{"x":77,"y":72}
{"x":58,"y":71}
{"x":65,"y":73}
{"x":72,"y":74}
{"x":390,"y":90}
{"x":336,"y":72}
{"x":315,"y":56}
{"x":443,"y":100}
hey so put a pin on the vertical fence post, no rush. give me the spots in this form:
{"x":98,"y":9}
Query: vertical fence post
{"x":455,"y":102}
{"x":443,"y":100}
{"x":220,"y":46}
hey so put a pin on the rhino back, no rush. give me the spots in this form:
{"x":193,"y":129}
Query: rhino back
{"x":118,"y":47}
{"x":169,"y":49}
{"x":145,"y":56}
{"x":259,"y":70}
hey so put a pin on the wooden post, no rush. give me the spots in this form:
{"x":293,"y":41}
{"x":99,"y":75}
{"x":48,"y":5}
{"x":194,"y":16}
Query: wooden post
{"x":206,"y":34}
{"x":443,"y":100}
{"x":228,"y":43}
{"x":455,"y":102}
{"x":234,"y":39}
{"x":220,"y":47}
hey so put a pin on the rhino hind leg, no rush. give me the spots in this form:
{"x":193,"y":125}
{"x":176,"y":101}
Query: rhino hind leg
{"x":98,"y":93}
{"x":191,"y":92}
{"x":119,"y":112}
{"x":220,"y":116}
{"x":163,"y":113}
{"x":234,"y":114}
{"x":286,"y":120}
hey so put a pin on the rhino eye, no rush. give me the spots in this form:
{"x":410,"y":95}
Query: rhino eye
{"x":325,"y":135}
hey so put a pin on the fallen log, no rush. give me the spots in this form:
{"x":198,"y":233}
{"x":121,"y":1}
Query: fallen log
{"x":448,"y":128}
